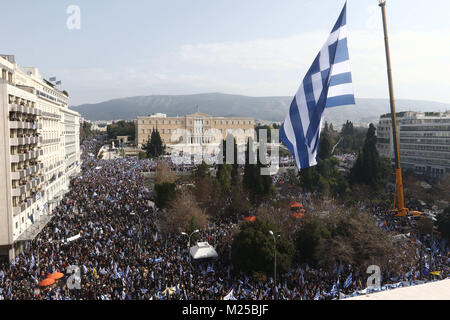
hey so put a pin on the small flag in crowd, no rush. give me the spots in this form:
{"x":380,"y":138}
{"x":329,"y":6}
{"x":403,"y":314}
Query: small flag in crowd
{"x":229,"y":296}
{"x":348,"y":282}
{"x":328,"y":83}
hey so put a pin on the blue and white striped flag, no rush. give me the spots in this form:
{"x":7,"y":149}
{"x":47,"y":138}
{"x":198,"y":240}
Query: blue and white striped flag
{"x":328,"y":83}
{"x":348,"y":282}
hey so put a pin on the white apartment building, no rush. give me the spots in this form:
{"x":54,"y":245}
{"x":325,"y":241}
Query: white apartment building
{"x":39,"y":152}
{"x":424,"y":141}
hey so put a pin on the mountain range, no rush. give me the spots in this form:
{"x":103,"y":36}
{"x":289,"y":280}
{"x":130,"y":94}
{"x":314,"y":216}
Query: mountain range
{"x":228,"y":105}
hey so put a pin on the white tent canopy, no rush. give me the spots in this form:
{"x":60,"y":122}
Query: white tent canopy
{"x":203,"y":250}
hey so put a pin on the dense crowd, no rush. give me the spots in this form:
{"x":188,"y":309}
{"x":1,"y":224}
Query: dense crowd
{"x":121,"y":254}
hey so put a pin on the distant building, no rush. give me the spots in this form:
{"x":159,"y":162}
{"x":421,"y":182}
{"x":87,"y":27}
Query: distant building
{"x":424,"y":141}
{"x":39,"y":152}
{"x":198,"y":125}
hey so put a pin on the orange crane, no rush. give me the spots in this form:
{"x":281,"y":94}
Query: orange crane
{"x":399,"y":208}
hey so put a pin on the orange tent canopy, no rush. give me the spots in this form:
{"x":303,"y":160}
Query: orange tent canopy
{"x":251,"y":218}
{"x":46,"y":282}
{"x":296,"y":205}
{"x":55,"y":275}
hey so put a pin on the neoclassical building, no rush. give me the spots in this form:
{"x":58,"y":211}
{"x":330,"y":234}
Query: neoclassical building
{"x":39,"y":152}
{"x":199,"y":128}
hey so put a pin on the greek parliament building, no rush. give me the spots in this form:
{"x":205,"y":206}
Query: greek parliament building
{"x":39,"y":152}
{"x":424,"y":141}
{"x":198,"y":127}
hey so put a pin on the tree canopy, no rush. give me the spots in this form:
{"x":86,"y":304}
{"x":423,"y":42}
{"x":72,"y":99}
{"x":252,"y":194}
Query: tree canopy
{"x":253,"y":249}
{"x":154,"y":146}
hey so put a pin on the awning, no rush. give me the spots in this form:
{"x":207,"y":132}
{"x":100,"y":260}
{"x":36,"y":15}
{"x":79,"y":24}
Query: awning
{"x":203,"y":250}
{"x":33,"y":230}
{"x":296,"y":205}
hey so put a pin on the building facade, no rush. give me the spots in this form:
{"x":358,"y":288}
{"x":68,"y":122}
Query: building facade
{"x":39,"y":152}
{"x":424,"y":141}
{"x":198,"y":127}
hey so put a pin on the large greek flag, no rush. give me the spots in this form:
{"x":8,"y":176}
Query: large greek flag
{"x":328,"y":83}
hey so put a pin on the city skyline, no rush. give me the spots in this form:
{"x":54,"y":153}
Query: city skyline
{"x":253,"y":48}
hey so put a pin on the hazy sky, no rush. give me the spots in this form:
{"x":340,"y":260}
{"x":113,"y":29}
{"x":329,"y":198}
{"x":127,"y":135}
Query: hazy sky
{"x":250,"y":47}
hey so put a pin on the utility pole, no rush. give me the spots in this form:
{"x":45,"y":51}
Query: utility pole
{"x":399,"y":204}
{"x":275,"y":259}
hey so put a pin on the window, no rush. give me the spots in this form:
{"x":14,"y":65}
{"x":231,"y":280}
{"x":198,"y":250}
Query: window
{"x":149,"y":121}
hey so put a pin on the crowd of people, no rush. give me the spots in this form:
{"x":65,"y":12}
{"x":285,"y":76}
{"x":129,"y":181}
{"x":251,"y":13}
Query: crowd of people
{"x":119,"y":252}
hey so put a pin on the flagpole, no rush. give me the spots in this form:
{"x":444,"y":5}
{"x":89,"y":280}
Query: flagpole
{"x":400,"y":205}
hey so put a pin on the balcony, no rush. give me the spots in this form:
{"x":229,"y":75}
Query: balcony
{"x":16,"y":192}
{"x":19,"y":208}
{"x":26,"y":156}
{"x":24,"y":141}
{"x":30,"y":184}
{"x":23,"y":125}
{"x":17,"y":108}
{"x":24,"y":109}
{"x":23,"y":173}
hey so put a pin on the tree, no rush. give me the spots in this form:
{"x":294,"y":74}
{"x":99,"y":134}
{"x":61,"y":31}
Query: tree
{"x":223,"y":175}
{"x":121,"y":128}
{"x":165,"y":193}
{"x":154,"y":146}
{"x":311,"y":234}
{"x":202,"y":171}
{"x":425,"y":226}
{"x":184,"y":214}
{"x":443,"y":222}
{"x":369,"y":169}
{"x":86,"y":131}
{"x":349,"y":236}
{"x":442,"y":188}
{"x":208,"y":195}
{"x":309,"y":178}
{"x":164,"y":173}
{"x":253,"y":249}
{"x":325,"y":145}
{"x":239,"y":203}
{"x":259,"y":185}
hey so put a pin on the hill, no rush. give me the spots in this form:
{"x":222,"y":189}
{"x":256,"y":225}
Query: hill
{"x":260,"y":108}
